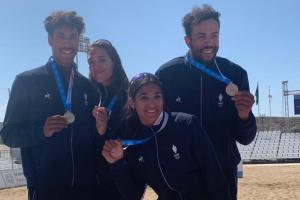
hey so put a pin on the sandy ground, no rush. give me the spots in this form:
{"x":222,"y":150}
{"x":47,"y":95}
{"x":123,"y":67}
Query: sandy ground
{"x":260,"y":182}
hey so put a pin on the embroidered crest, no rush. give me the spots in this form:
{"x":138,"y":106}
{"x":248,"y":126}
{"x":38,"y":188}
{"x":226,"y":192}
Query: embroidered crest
{"x":176,"y":155}
{"x":220,"y":103}
{"x":85,"y":97}
{"x":178,"y":99}
{"x":47,"y":96}
{"x":141,"y":159}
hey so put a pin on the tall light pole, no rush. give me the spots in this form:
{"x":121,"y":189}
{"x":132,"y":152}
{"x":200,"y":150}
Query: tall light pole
{"x":84,"y":43}
{"x":270,"y":99}
{"x":285,"y":98}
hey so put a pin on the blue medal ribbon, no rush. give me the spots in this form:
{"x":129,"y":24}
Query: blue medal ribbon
{"x":66,"y":100}
{"x":206,"y":70}
{"x":135,"y":142}
{"x":127,"y":143}
{"x":111,"y":105}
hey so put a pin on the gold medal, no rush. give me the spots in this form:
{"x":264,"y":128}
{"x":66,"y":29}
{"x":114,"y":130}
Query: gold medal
{"x":232,"y":89}
{"x":69,"y":116}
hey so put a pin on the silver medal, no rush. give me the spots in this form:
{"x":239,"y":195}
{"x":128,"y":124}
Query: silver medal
{"x":232,"y":89}
{"x":70,"y":117}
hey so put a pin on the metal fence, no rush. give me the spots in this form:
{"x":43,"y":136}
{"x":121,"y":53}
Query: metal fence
{"x":10,"y":158}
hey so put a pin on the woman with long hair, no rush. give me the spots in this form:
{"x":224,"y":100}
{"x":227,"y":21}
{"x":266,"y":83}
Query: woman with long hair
{"x":109,"y":78}
{"x":168,"y":151}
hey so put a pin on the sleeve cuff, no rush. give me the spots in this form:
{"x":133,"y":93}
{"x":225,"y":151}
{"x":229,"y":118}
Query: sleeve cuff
{"x":118,"y":167}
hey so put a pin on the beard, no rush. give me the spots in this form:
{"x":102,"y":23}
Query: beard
{"x":200,"y":55}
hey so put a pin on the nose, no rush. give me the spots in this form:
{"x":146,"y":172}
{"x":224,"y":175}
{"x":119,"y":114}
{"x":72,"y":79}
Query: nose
{"x":98,"y":65}
{"x":151,"y":103}
{"x":208,"y":41}
{"x":69,"y":41}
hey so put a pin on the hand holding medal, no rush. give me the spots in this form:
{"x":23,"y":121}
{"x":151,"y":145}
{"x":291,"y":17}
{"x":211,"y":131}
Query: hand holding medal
{"x":101,"y":116}
{"x":243,"y":102}
{"x":54,"y":124}
{"x":112,"y":151}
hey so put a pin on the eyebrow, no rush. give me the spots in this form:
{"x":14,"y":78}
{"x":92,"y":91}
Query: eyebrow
{"x":62,"y":33}
{"x":59,"y":33}
{"x":201,"y":33}
{"x":145,"y":93}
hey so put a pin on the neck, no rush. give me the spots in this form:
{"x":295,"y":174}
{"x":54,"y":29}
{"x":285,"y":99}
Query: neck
{"x":63,"y":65}
{"x":206,"y":63}
{"x":156,"y":122}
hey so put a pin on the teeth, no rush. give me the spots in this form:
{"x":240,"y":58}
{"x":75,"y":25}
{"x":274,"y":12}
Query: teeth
{"x":151,"y":111}
{"x":67,"y":51}
{"x":208,"y":51}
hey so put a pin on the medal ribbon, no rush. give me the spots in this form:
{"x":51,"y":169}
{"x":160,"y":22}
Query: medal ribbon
{"x":206,"y":70}
{"x":127,"y":143}
{"x":65,"y":100}
{"x":111,"y":105}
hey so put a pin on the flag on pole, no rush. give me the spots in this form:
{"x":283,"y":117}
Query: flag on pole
{"x":256,"y":95}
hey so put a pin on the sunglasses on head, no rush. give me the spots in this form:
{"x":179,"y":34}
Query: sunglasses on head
{"x":139,"y":76}
{"x":102,"y":42}
{"x":143,"y":75}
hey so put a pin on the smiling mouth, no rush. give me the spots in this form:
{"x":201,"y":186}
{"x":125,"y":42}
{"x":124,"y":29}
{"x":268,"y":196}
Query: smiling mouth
{"x":151,"y":112}
{"x":67,"y":51}
{"x":208,"y":51}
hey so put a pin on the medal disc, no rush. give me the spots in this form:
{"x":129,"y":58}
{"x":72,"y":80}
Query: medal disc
{"x":232,"y":89}
{"x":70,"y":117}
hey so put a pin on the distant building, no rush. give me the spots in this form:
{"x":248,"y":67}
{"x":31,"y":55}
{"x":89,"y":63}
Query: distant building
{"x":1,"y":125}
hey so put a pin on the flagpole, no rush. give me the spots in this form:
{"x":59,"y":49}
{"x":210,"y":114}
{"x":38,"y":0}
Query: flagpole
{"x":257,"y":98}
{"x":270,"y":99}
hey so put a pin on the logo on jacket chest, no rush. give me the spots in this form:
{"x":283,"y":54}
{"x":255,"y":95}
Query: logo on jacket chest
{"x":47,"y":96}
{"x":141,"y":159}
{"x":175,"y":151}
{"x":220,"y":101}
{"x":178,"y":100}
{"x":85,"y":97}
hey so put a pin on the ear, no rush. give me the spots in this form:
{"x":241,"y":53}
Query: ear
{"x":91,"y":73}
{"x":131,"y":103}
{"x":50,"y":40}
{"x":187,"y":40}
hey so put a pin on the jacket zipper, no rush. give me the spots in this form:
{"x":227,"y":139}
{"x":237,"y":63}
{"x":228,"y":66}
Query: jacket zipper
{"x":201,"y":102}
{"x":161,"y":171}
{"x":72,"y":156}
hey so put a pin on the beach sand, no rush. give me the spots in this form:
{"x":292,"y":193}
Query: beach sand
{"x":260,"y":182}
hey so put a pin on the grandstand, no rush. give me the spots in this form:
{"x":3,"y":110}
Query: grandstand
{"x":268,"y":146}
{"x":272,"y":146}
{"x":10,"y":158}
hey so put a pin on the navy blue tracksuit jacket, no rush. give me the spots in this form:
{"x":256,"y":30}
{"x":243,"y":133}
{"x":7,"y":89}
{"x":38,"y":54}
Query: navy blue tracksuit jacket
{"x":178,"y":163}
{"x":187,"y":89}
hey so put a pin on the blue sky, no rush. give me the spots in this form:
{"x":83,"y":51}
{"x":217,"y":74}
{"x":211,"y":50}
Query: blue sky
{"x":261,"y":36}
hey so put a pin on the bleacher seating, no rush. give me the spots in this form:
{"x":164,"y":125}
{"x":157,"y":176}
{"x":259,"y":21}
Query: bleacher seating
{"x":246,"y":150}
{"x":272,"y":145}
{"x":289,"y":146}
